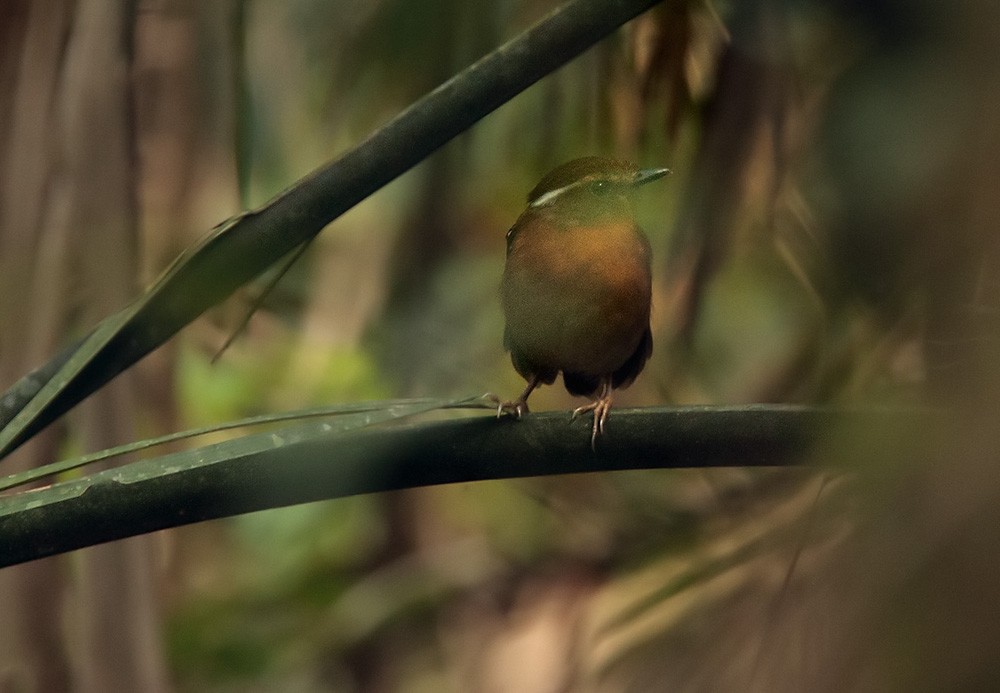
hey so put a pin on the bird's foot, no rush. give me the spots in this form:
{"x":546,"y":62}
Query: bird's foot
{"x":516,"y":407}
{"x":600,"y":407}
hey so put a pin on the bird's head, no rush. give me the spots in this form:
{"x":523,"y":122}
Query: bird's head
{"x":590,"y":188}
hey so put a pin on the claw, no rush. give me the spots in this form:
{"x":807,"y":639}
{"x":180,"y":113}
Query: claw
{"x":516,"y":407}
{"x":601,"y":407}
{"x":519,"y":406}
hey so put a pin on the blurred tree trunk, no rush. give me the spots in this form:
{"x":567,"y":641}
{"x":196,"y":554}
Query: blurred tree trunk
{"x":116,"y":603}
{"x":33,"y":653}
{"x":68,"y":248}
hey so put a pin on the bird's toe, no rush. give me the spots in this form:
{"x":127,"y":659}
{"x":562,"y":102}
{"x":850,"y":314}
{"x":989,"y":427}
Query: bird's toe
{"x":515,"y":408}
{"x":600,"y":408}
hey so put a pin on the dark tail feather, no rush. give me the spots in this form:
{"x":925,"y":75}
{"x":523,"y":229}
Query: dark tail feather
{"x":624,"y":376}
{"x":580,"y":384}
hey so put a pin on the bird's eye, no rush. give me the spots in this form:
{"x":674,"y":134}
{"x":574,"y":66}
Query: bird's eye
{"x":599,"y":187}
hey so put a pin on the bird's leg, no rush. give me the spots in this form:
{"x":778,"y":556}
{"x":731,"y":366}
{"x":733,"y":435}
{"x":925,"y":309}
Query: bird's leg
{"x":600,"y":406}
{"x":520,"y":405}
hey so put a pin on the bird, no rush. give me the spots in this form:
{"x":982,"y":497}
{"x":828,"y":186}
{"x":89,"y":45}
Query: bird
{"x":577,"y":284}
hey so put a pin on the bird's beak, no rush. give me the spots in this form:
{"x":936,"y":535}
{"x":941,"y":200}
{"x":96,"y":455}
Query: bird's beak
{"x":647,"y":175}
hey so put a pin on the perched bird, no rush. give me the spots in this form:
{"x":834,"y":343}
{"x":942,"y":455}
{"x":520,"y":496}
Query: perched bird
{"x":576,"y":285}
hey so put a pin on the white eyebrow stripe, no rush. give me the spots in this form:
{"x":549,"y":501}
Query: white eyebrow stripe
{"x":546,"y":198}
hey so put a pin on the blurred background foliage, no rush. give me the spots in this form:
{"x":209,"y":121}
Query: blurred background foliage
{"x":820,"y":242}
